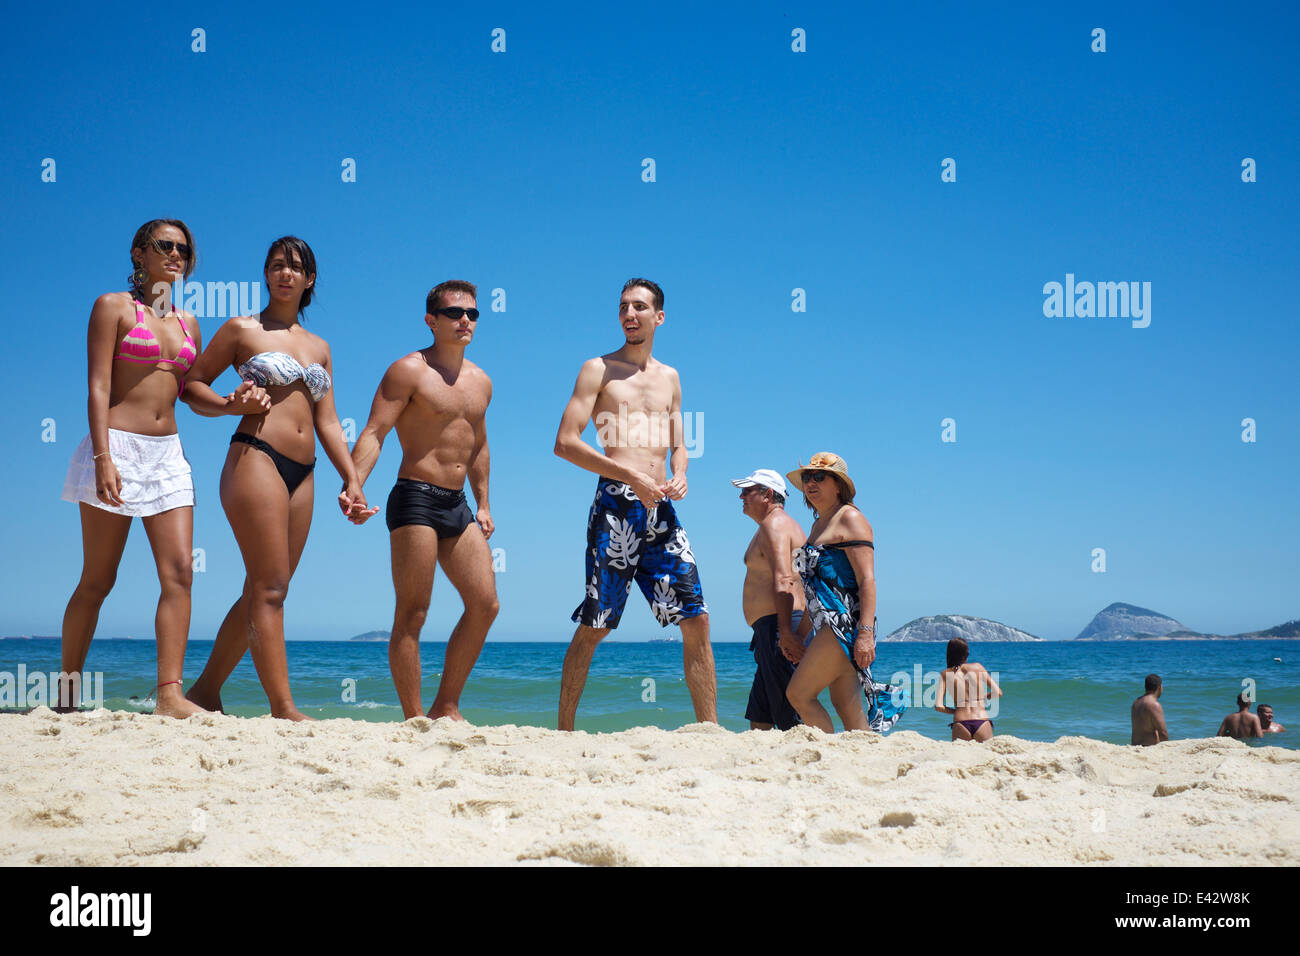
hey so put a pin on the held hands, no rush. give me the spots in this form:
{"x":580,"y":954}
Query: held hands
{"x":352,"y":501}
{"x":248,"y":399}
{"x":485,"y":522}
{"x":791,"y":647}
{"x":108,"y":483}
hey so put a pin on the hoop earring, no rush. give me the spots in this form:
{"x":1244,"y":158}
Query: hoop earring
{"x":136,"y":280}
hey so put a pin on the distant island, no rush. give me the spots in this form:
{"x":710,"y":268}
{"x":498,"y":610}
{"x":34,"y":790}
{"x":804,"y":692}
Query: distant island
{"x":372,"y":636}
{"x":941,"y":628}
{"x":1127,"y":622}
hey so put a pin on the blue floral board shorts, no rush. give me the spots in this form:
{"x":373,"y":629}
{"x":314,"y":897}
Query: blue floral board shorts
{"x":627,"y":541}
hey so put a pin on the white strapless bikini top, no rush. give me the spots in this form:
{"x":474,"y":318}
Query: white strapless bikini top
{"x":280,"y":368}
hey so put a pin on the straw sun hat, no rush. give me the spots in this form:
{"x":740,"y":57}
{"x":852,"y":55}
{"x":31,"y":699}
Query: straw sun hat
{"x":824,"y":461}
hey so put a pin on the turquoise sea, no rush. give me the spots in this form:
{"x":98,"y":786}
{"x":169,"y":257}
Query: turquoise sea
{"x":1050,"y":689}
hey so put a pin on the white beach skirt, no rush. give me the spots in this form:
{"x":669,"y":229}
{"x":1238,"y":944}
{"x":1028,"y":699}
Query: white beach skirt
{"x":155,"y":474}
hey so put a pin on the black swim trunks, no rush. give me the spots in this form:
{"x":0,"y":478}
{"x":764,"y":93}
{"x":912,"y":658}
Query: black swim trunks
{"x":627,"y":541}
{"x":767,"y":700}
{"x":418,"y":502}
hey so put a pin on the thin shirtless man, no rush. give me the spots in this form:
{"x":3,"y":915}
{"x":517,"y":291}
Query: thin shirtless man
{"x":772,"y":598}
{"x":635,"y":403}
{"x":438,"y":400}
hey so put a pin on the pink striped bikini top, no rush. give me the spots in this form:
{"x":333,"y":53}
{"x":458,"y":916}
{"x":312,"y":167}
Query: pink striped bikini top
{"x":141,"y":346}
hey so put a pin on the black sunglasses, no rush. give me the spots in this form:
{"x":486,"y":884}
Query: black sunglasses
{"x":816,"y":475}
{"x":454,"y":312}
{"x":165,"y":246}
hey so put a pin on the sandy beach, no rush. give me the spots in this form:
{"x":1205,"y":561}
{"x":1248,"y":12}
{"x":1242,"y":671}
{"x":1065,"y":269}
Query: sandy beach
{"x":115,"y":788}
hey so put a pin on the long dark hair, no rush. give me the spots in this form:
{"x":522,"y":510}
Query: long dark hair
{"x":293,"y":247}
{"x":958,"y":651}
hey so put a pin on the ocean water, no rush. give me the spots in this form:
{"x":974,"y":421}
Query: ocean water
{"x":1052,"y":689}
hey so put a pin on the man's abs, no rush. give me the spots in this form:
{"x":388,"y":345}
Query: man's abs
{"x":440,"y":457}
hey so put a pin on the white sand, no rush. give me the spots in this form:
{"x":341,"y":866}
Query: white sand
{"x":113,"y":788}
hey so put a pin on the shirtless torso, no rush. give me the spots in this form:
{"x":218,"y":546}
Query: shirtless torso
{"x":778,"y":530}
{"x":443,"y":420}
{"x":1241,"y":725}
{"x":636,"y":410}
{"x":1148,"y":719}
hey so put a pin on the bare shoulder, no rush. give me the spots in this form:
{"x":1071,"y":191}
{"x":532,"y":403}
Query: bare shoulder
{"x":475,"y":376}
{"x":408,"y":368}
{"x":778,"y":524}
{"x":241,"y":323}
{"x":772,"y":528}
{"x":237,"y":327}
{"x":855,"y":522}
{"x":116,"y":305}
{"x":663,"y":368}
{"x":320,"y":349}
{"x":596,"y":369}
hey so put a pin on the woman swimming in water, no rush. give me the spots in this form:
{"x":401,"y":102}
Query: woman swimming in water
{"x":968,"y":685}
{"x":267,"y":487}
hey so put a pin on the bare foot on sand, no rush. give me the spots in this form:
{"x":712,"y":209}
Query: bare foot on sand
{"x":290,"y":713}
{"x":445,"y":710}
{"x":175,"y":704}
{"x":208,"y":702}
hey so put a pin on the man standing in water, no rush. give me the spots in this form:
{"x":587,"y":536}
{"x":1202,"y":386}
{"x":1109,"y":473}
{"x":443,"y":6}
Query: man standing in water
{"x":1242,"y":724}
{"x":772,"y":598}
{"x":1148,"y":716}
{"x":635,"y":403}
{"x":438,"y":400}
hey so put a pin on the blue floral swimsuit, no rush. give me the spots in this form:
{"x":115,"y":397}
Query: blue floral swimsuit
{"x":831,"y":589}
{"x":627,"y":541}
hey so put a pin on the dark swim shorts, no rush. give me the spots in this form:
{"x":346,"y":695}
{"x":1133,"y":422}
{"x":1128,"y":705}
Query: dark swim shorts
{"x":418,"y":502}
{"x":767,"y":700}
{"x":627,"y":541}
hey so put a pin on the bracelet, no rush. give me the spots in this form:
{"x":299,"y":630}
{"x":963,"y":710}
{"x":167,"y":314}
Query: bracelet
{"x":868,"y":627}
{"x":99,"y":456}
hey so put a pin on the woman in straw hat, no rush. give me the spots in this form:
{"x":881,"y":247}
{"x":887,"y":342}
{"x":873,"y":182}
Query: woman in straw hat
{"x":837,"y":566}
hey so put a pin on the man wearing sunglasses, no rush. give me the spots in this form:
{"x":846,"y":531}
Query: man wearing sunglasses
{"x":635,"y":402}
{"x":438,"y":401}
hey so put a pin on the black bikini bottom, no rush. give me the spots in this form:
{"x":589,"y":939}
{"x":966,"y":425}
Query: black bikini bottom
{"x":294,"y":473}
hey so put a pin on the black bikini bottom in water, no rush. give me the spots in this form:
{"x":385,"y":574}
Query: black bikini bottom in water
{"x":294,"y":473}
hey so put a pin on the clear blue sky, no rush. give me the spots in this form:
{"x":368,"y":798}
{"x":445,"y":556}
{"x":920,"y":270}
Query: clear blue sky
{"x":775,"y":170}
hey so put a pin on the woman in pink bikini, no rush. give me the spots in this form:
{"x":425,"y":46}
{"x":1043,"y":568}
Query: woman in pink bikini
{"x":267,"y":487}
{"x":139,"y":348}
{"x":967,"y":685}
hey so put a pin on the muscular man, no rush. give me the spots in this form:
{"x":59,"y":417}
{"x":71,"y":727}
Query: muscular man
{"x":1148,"y":716}
{"x":1242,"y":724}
{"x":1266,"y":723}
{"x":772,"y":599}
{"x":438,"y":400}
{"x":635,"y":403}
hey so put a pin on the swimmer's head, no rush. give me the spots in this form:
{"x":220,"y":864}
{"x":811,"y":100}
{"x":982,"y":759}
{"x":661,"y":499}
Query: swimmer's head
{"x":1153,"y":683}
{"x":958,"y":651}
